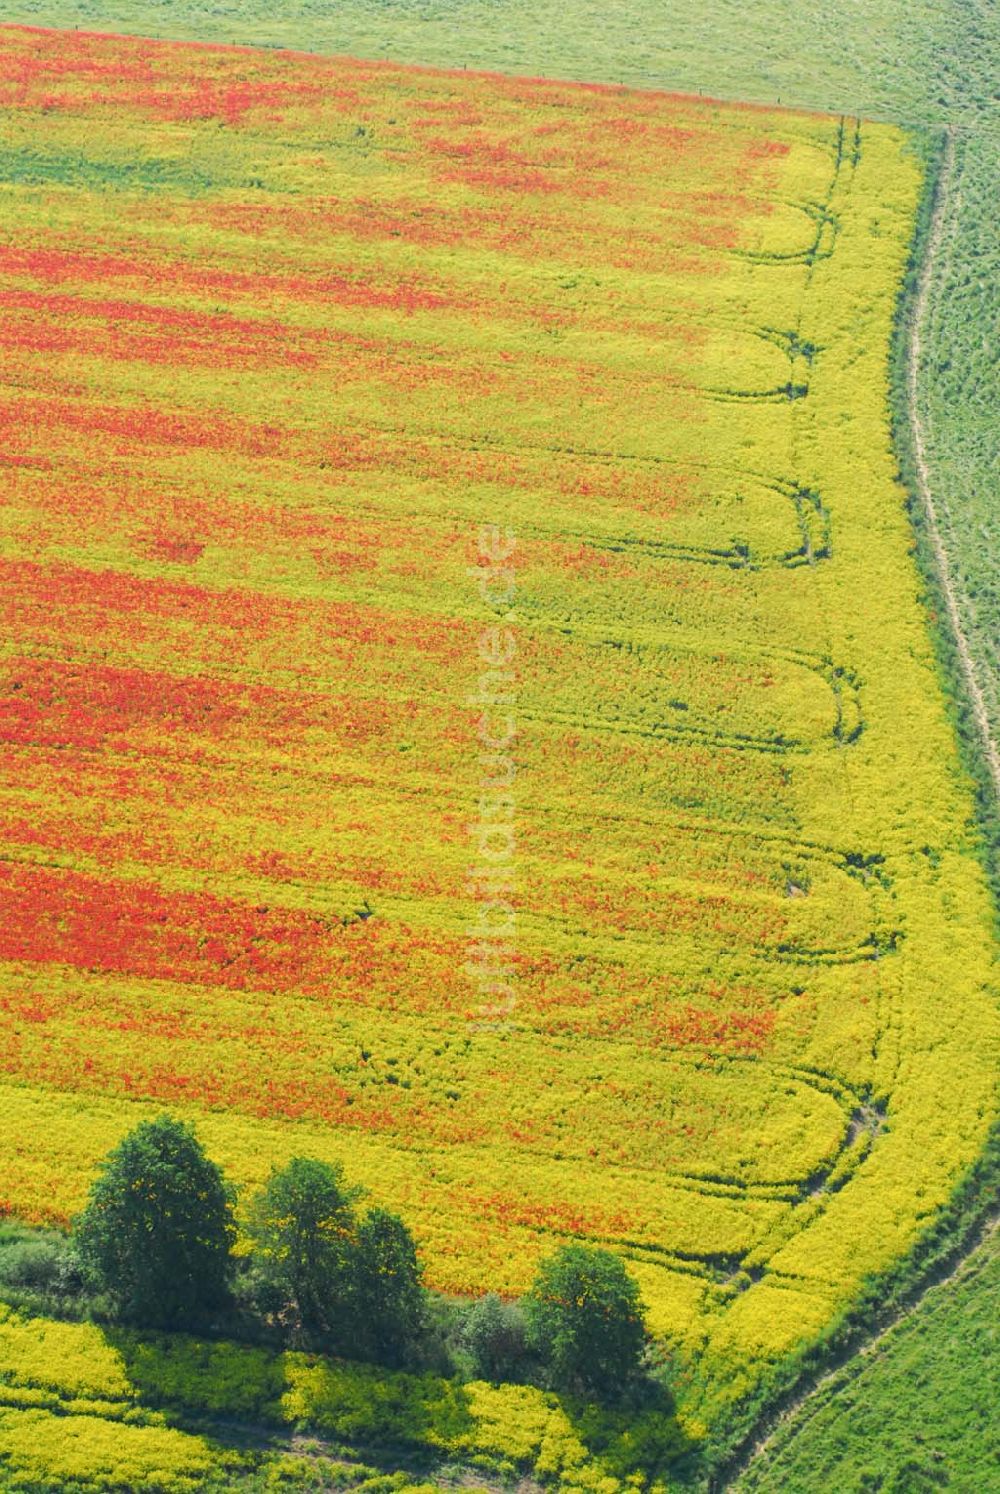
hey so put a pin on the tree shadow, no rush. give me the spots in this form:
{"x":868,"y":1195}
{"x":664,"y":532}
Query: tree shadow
{"x":639,"y":1434}
{"x":246,"y":1396}
{"x":253,"y":1398}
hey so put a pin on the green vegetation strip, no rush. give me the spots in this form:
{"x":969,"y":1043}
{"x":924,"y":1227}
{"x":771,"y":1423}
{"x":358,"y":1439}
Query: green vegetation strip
{"x":916,"y":1412}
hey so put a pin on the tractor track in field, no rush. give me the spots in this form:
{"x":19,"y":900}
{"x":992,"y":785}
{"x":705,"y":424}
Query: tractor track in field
{"x":942,"y":565}
{"x":757,"y":1447}
{"x":862,"y":1355}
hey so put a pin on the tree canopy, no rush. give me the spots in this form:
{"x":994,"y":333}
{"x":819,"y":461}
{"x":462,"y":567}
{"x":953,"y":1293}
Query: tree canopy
{"x":346,"y":1283}
{"x":157,"y":1231}
{"x":586,"y":1321}
{"x":303,"y":1229}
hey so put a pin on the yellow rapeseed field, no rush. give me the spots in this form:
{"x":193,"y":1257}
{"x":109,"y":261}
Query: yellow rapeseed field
{"x":286,"y":342}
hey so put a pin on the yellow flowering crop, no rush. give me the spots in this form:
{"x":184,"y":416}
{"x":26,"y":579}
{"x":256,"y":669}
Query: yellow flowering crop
{"x":283,"y":337}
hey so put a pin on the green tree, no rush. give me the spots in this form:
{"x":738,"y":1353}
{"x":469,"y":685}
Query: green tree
{"x":390,"y":1304}
{"x":493,"y":1335}
{"x":304,"y":1231}
{"x":586,"y":1321}
{"x":157,"y":1232}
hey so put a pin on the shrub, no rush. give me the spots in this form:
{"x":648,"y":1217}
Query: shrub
{"x":494,"y":1336}
{"x":36,"y":1263}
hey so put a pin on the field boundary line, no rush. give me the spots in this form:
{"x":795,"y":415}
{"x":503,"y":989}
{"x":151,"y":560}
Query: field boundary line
{"x":942,"y":564}
{"x":856,"y":1362}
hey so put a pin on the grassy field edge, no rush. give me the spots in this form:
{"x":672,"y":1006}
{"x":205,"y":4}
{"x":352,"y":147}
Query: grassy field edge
{"x":955,"y":1238}
{"x":804,"y":1449}
{"x":932,"y":145}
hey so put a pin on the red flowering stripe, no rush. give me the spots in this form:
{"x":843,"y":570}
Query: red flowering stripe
{"x":157,"y":271}
{"x":198,"y":626}
{"x":172,"y":337}
{"x":555,"y":235}
{"x":48,"y":703}
{"x":357,"y":470}
{"x":270,"y":823}
{"x":97,"y":923}
{"x":736,"y":698}
{"x":394,"y":654}
{"x":464,"y":393}
{"x":508,"y":1209}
